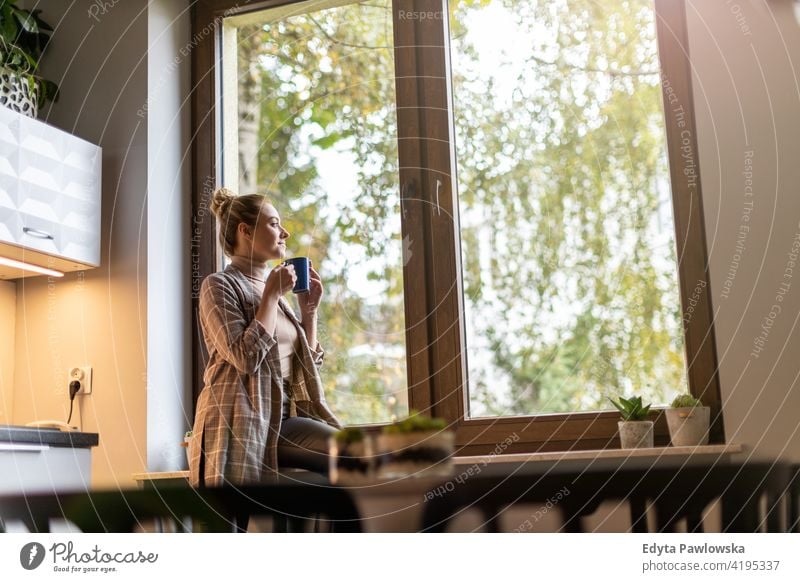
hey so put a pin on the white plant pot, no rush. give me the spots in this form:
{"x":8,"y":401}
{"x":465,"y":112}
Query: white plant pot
{"x":636,"y":434}
{"x":17,"y":94}
{"x":416,"y":454}
{"x":688,"y":427}
{"x":186,"y":442}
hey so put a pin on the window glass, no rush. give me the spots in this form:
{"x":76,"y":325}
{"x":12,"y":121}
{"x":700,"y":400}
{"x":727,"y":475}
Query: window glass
{"x":308,"y":101}
{"x":567,"y":236}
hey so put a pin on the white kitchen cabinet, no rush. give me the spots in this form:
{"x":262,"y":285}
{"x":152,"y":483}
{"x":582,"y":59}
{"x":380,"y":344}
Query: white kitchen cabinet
{"x":40,"y":468}
{"x":50,"y":192}
{"x":37,"y":460}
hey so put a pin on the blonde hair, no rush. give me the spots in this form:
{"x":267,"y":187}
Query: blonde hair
{"x":232,"y":210}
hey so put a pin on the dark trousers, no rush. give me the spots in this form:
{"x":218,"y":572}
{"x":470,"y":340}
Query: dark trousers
{"x":303,"y":444}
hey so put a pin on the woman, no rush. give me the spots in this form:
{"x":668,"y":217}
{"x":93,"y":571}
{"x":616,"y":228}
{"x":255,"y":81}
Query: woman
{"x":262,"y":406}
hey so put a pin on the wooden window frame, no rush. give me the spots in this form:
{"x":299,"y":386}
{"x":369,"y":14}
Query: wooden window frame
{"x":432,"y":283}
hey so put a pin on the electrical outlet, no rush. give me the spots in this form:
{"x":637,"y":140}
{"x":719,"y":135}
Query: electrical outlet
{"x":82,"y":374}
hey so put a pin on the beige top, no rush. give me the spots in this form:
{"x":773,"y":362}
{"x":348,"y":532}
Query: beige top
{"x":288,"y":343}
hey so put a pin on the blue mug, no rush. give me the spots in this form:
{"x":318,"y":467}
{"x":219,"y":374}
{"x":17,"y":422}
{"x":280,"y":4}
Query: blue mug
{"x":301,"y":285}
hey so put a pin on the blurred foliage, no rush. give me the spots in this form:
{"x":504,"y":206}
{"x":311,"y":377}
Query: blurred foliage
{"x":574,"y":300}
{"x":415,"y":422}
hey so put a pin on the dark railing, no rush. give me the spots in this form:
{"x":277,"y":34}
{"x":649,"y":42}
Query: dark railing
{"x":753,"y":497}
{"x":224,"y":509}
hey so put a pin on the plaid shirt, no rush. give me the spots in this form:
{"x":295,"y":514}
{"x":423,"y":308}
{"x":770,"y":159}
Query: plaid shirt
{"x":238,"y":418}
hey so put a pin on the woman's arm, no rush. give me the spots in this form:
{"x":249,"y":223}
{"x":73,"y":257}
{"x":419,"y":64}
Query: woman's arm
{"x":309,"y":324}
{"x":240,"y":342}
{"x":309,"y":303}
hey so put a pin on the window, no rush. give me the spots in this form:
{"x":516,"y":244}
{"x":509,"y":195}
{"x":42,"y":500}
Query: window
{"x":310,"y":115}
{"x":492,"y":211}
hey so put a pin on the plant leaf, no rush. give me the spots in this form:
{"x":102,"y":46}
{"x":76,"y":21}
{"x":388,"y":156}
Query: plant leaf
{"x":42,"y":24}
{"x":328,"y":140}
{"x":8,"y":28}
{"x":26,"y":20}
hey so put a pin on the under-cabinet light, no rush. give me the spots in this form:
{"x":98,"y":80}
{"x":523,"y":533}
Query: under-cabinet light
{"x":29,"y":267}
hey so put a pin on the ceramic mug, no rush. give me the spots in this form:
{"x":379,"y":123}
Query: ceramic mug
{"x":301,"y":270}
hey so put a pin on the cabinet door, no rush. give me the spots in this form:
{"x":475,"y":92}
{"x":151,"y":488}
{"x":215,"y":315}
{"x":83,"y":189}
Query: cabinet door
{"x":49,"y":189}
{"x":80,"y":205}
{"x":38,"y":197}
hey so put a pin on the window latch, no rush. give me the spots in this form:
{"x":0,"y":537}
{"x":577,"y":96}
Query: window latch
{"x":438,"y":187}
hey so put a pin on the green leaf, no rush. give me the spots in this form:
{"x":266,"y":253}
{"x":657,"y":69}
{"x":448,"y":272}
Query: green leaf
{"x":617,"y":406}
{"x":8,"y":27}
{"x":26,"y":20}
{"x":328,"y":141}
{"x":50,"y":91}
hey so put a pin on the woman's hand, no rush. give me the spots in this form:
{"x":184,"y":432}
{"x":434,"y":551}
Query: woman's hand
{"x":309,"y":302}
{"x":280,"y":281}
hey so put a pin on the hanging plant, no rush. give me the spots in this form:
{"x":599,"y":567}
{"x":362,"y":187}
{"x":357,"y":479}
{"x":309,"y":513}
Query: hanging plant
{"x":23,"y":38}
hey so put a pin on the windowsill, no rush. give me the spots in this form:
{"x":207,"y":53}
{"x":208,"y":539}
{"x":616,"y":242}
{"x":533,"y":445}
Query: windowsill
{"x":654,"y":454}
{"x":679,"y":454}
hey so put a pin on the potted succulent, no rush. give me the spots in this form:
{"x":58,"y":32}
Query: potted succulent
{"x":187,"y":436}
{"x":351,"y":457}
{"x":688,"y":421}
{"x":635,"y":431}
{"x":416,"y":446}
{"x":23,"y":38}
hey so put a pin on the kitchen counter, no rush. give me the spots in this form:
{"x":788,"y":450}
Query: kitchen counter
{"x":24,"y":435}
{"x":45,"y":460}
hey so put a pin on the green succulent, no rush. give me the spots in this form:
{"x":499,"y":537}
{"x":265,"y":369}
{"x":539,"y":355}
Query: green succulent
{"x":415,"y":422}
{"x":631,"y":409}
{"x":349,"y":435}
{"x":686,"y":401}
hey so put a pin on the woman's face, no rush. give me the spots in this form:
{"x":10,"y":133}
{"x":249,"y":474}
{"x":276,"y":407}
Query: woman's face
{"x":268,"y":236}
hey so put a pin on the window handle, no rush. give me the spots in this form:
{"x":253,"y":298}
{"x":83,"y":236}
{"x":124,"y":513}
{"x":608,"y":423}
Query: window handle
{"x":438,"y":187}
{"x":409,"y":194}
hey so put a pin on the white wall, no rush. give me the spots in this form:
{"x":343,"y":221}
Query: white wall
{"x":169,"y":340}
{"x":746,"y":58}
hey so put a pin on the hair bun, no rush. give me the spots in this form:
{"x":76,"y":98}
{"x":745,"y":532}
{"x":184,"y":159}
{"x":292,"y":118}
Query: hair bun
{"x":221,"y":202}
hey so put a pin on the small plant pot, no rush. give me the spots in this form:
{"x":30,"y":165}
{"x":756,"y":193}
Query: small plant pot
{"x":688,"y":427}
{"x":18,"y":93}
{"x":636,"y":434}
{"x":351,"y":463}
{"x":415,"y":454}
{"x":185,"y":445}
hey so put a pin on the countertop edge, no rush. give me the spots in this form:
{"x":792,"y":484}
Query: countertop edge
{"x":22,"y":435}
